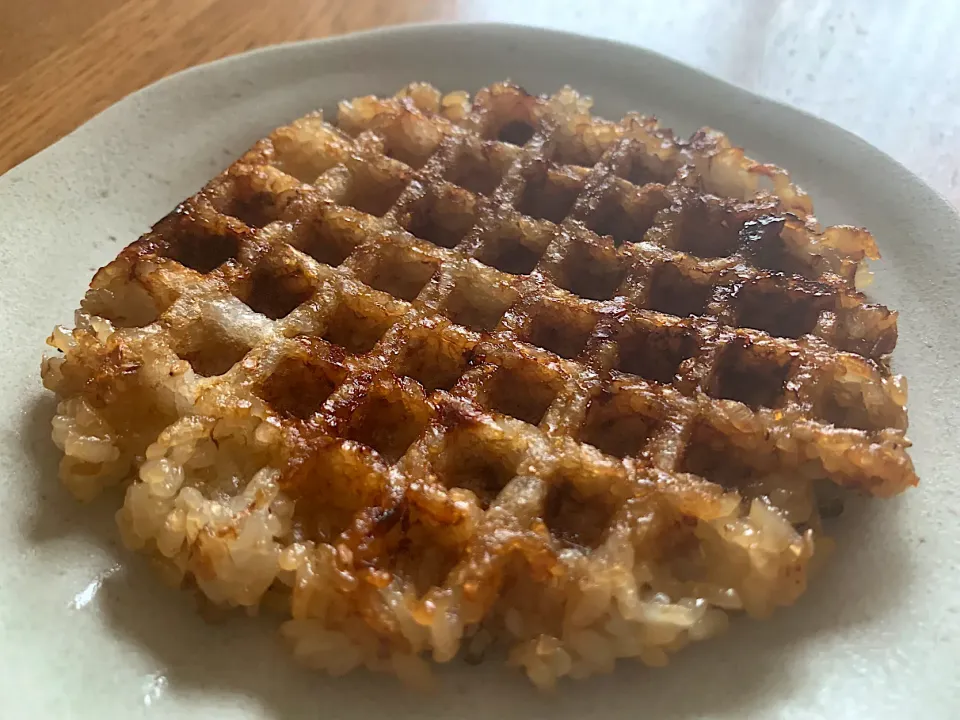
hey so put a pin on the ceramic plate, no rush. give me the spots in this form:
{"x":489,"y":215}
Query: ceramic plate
{"x":87,"y":630}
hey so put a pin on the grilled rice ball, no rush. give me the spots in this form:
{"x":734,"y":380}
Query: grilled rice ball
{"x":454,"y":372}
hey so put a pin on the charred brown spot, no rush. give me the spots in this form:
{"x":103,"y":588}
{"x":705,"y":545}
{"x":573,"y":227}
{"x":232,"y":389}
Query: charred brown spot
{"x":626,"y":218}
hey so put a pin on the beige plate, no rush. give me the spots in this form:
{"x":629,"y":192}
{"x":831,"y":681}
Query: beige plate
{"x":87,"y":631}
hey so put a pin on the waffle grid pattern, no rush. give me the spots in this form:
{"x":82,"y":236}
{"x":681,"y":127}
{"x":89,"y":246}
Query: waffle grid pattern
{"x":501,"y":317}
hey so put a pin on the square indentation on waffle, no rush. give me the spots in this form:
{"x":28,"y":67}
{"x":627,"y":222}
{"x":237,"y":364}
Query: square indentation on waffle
{"x":550,"y":191}
{"x":442,"y":214}
{"x":396,"y":267}
{"x":200,"y":241}
{"x":559,"y":325}
{"x":854,"y":394}
{"x":513,"y":243}
{"x":382,"y":411}
{"x":622,"y":417}
{"x":477,"y":296}
{"x":752,"y":371}
{"x":517,"y":383}
{"x":705,"y":226}
{"x":306,"y":148}
{"x":860,"y":327}
{"x":765,"y":243}
{"x":679,"y":288}
{"x":361,"y":317}
{"x":335,"y":482}
{"x":507,"y":113}
{"x":213,"y":336}
{"x":585,"y":491}
{"x":781,"y":309}
{"x":300,"y":383}
{"x":401,"y":128}
{"x":477,"y":455}
{"x":625,"y":213}
{"x":656,"y":347}
{"x":325,"y":232}
{"x":216,"y":355}
{"x":432,"y":351}
{"x":479,"y":165}
{"x":584,"y":264}
{"x":732,"y":458}
{"x":371,"y":184}
{"x":254,"y":195}
{"x":276,"y":285}
{"x":634,"y":163}
{"x":424,"y":539}
{"x":583,"y":144}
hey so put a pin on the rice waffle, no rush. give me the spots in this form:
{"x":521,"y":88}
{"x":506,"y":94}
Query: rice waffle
{"x":453,"y":373}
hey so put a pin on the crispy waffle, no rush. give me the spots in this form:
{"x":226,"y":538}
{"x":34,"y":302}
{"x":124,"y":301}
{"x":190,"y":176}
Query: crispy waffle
{"x":454,"y":373}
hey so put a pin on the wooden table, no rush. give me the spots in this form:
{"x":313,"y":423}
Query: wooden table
{"x":887,"y":70}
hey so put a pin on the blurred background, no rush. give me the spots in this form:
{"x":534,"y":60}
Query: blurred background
{"x":885,"y":69}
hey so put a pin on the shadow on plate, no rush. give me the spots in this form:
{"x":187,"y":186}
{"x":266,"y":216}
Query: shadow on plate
{"x":754,"y":667}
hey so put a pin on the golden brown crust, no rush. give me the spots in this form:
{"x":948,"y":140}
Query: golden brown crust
{"x":456,"y":363}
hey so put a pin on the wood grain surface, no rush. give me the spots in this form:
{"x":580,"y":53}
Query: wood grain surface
{"x":887,"y":70}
